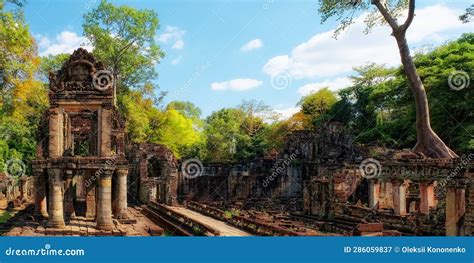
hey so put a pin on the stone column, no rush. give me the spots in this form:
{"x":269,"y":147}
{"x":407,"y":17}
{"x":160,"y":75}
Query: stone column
{"x":56,"y":216}
{"x":55,"y":133}
{"x":120,"y":202}
{"x":22,"y":188}
{"x":69,"y":194}
{"x":455,"y":209}
{"x":104,"y":201}
{"x":152,"y":192}
{"x":399,"y":198}
{"x":374,"y":192}
{"x":40,"y":193}
{"x":105,"y":133}
{"x":424,"y":198}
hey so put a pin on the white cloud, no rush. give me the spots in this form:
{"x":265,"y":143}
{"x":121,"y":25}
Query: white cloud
{"x":178,"y":44}
{"x":251,"y":45}
{"x":324,"y":56}
{"x":237,"y":85}
{"x":172,"y":35}
{"x":43,"y":42}
{"x":176,"y":60}
{"x":65,"y":42}
{"x":334,"y":85}
{"x":288,"y":112}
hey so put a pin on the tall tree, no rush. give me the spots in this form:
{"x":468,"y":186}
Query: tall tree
{"x":254,"y":114}
{"x":22,"y":97}
{"x":188,"y":109}
{"x":387,"y":12}
{"x":223,"y":131}
{"x":318,"y":104}
{"x":467,"y":16}
{"x":124,"y":38}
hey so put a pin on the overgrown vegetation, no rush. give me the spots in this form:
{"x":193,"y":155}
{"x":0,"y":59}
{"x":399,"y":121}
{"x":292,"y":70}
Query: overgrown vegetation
{"x":378,"y":106}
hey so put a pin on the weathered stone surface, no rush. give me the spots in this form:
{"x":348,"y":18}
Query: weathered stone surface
{"x":84,"y":146}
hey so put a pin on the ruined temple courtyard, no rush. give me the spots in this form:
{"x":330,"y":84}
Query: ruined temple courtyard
{"x":24,"y":225}
{"x":88,"y":180}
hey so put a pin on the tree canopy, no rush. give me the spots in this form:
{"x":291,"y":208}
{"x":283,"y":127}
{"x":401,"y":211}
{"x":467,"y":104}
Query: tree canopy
{"x":124,"y":38}
{"x":377,"y":107}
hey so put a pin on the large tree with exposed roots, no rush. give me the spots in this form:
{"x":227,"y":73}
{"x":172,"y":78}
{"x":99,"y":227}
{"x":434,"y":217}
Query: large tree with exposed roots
{"x":389,"y":12}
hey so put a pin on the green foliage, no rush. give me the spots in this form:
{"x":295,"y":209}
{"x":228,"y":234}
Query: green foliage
{"x":378,"y":106}
{"x":318,"y":105}
{"x":222,"y":131}
{"x":345,"y":11}
{"x":382,"y":107}
{"x":452,"y":111}
{"x":124,"y":38}
{"x":242,"y":133}
{"x":4,"y":216}
{"x":139,"y":112}
{"x":22,"y":97}
{"x":187,"y":109}
{"x":51,"y":63}
{"x":17,"y":54}
{"x":231,"y":213}
{"x":177,"y":132}
{"x":146,"y":123}
{"x":467,"y":16}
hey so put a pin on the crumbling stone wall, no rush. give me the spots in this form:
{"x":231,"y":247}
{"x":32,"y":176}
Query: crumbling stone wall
{"x":329,"y":180}
{"x":261,"y":184}
{"x":15,"y":192}
{"x":153,"y":174}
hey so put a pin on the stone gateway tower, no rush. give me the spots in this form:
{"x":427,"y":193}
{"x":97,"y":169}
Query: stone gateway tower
{"x":80,"y":168}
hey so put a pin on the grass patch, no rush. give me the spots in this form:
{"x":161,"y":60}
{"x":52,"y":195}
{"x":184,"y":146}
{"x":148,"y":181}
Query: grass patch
{"x":4,"y":216}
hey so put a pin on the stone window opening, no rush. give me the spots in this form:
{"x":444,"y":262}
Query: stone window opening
{"x":81,"y":134}
{"x":155,"y":167}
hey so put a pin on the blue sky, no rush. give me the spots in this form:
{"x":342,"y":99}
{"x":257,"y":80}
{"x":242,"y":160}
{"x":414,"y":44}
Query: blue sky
{"x":219,"y":53}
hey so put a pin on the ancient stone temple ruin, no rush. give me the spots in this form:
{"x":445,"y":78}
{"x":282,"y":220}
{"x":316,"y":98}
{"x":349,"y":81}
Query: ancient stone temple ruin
{"x":322,"y":180}
{"x":153,"y":174}
{"x":320,"y":183}
{"x":80,"y":168}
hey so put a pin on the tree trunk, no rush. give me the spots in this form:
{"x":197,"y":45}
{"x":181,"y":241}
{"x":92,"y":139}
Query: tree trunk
{"x":428,"y":142}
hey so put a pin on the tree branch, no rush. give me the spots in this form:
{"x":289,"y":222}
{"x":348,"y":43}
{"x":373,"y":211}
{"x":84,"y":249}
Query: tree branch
{"x":411,"y":15}
{"x":387,"y":16}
